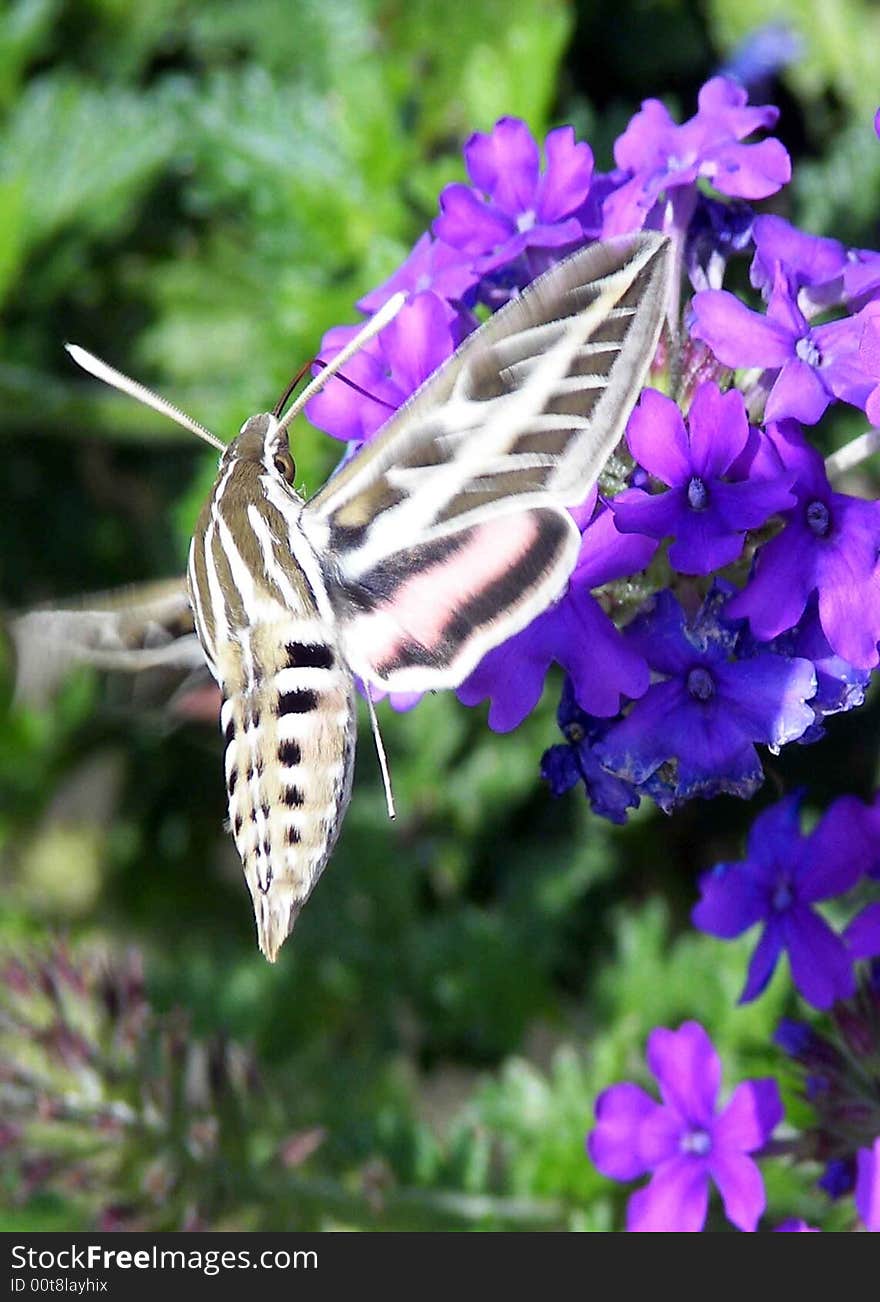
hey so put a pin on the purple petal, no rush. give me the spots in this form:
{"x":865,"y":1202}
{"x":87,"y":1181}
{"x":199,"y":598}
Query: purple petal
{"x":777,"y":593}
{"x":753,"y":1113}
{"x":736,"y":335}
{"x":675,"y":1201}
{"x":607,"y":554}
{"x":732,"y":901}
{"x":821,"y":965}
{"x":614,"y":1145}
{"x":468,"y":223}
{"x":719,"y":429}
{"x":835,"y":856}
{"x":741,"y":1187}
{"x":657,"y":438}
{"x":640,"y":143}
{"x":654,"y":515}
{"x":750,"y":171}
{"x":867,"y":1193}
{"x":566,"y":183}
{"x":763,"y":962}
{"x":749,"y":504}
{"x":862,"y":936}
{"x":417,"y":341}
{"x":504,"y":164}
{"x":767,"y":696}
{"x":799,"y":393}
{"x":704,"y":543}
{"x":688,"y":1070}
{"x":813,"y":259}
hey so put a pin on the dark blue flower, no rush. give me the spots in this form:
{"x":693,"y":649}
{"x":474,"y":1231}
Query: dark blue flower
{"x":704,"y":718}
{"x":575,"y":761}
{"x":784,"y":876}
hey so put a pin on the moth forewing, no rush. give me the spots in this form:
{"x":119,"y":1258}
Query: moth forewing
{"x":448,"y":533}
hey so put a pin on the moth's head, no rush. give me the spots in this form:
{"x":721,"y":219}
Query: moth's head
{"x":262,"y":441}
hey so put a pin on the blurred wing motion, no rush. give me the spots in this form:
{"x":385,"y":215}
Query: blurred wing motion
{"x":447,"y":533}
{"x":145,"y":627}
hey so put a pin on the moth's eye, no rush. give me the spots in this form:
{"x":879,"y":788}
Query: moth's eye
{"x":285,"y":467}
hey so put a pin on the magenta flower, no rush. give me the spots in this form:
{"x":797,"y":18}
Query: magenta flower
{"x":868,"y":1185}
{"x":784,"y":876}
{"x":514,"y":206}
{"x":661,"y":156}
{"x":829,"y":546}
{"x":686,"y":1141}
{"x":716,"y":493}
{"x":809,"y":366}
{"x":390,"y":368}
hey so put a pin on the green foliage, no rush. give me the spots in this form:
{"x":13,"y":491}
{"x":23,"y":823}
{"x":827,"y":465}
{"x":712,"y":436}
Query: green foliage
{"x":197,"y":192}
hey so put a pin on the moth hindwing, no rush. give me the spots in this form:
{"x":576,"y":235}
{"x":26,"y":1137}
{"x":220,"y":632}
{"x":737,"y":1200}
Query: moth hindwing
{"x":442,"y":538}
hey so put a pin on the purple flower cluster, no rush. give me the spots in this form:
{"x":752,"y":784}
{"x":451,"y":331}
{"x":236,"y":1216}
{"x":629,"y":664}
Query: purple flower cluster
{"x":672,"y":694}
{"x":727,"y":592}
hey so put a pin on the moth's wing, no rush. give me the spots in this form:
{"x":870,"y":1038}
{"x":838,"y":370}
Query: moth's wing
{"x":447,"y":533}
{"x":145,"y":630}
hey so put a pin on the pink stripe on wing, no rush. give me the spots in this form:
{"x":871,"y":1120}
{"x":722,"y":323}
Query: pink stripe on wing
{"x":421,"y":609}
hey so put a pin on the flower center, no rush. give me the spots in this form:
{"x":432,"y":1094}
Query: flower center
{"x":818,"y":518}
{"x":696,"y":1142}
{"x":575,"y":733}
{"x":697,"y":493}
{"x":783,"y":895}
{"x":701,"y":684}
{"x":525,"y":221}
{"x":807,"y":351}
{"x":423,"y":283}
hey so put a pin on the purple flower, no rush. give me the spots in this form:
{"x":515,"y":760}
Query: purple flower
{"x":830,"y":546}
{"x":685,"y":1141}
{"x":868,"y":1185}
{"x":706,"y":715}
{"x":431,"y":265}
{"x":661,"y":156}
{"x":812,"y":365}
{"x":795,"y":1226}
{"x":390,"y":368}
{"x":515,"y":206}
{"x":784,"y":876}
{"x":575,"y":633}
{"x":807,"y":260}
{"x":713,"y":498}
{"x":575,"y":761}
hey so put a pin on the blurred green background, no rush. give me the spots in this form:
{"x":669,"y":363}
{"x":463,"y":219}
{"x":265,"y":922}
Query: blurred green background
{"x":196,"y":192}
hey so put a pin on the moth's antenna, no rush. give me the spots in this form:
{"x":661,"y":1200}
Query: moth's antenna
{"x":380,"y":751}
{"x":386,"y":313}
{"x":133,"y":389}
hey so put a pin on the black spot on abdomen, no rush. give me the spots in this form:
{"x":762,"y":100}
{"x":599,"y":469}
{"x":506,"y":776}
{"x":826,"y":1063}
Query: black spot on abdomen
{"x":297,"y":702}
{"x":312,"y":656}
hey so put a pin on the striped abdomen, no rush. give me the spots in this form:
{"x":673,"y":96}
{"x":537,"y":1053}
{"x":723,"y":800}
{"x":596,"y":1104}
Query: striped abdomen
{"x":288,"y":714}
{"x":288,"y":721}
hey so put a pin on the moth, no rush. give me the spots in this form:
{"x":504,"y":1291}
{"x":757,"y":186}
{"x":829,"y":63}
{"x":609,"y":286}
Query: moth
{"x":444,"y":536}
